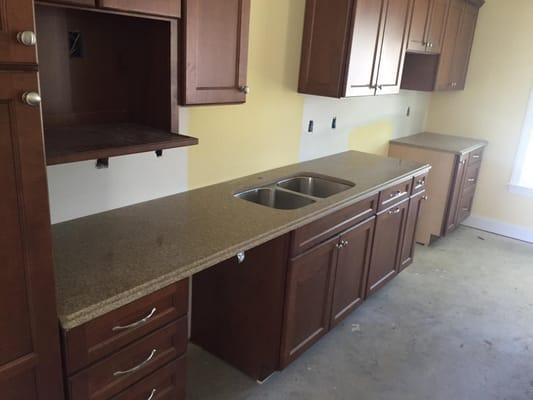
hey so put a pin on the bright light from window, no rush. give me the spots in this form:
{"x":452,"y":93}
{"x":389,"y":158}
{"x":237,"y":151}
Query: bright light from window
{"x":523,"y":172}
{"x":526,"y":178}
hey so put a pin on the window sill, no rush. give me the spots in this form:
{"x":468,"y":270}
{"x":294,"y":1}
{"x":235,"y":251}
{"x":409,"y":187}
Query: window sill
{"x":521,"y":190}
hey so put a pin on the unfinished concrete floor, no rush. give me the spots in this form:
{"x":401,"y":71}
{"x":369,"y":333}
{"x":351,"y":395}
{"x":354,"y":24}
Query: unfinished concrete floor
{"x":456,"y":325}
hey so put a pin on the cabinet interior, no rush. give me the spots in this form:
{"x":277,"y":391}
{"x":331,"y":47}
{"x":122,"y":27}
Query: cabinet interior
{"x":108,"y":83}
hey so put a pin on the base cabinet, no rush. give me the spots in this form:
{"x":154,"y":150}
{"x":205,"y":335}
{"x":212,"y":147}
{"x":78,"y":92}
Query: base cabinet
{"x":388,"y":239}
{"x":413,"y":214}
{"x":308,"y":299}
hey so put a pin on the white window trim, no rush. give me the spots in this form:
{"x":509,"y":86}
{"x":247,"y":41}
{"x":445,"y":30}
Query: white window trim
{"x":527,"y":135}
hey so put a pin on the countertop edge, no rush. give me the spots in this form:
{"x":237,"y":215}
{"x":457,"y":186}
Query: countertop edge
{"x":85,"y":315}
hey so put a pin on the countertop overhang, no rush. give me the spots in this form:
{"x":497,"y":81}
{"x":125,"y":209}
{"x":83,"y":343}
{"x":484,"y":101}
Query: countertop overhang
{"x":441,"y":142}
{"x":108,"y":260}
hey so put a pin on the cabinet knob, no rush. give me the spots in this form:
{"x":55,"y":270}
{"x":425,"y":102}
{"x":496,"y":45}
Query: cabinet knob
{"x":380,"y":87}
{"x":425,"y":198}
{"x":152,"y":394}
{"x":395,"y":211}
{"x":27,"y":38}
{"x":241,"y":256}
{"x":245,"y":89}
{"x":32,"y":99}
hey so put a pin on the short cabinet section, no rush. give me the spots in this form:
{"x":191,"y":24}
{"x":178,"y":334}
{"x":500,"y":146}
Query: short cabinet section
{"x":354,"y":48}
{"x":427,"y":26}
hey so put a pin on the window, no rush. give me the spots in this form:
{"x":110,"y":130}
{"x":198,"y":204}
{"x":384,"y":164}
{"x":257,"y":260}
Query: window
{"x":522,"y":180}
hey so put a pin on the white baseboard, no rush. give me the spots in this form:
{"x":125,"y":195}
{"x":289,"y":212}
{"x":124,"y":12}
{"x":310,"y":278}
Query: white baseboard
{"x":500,"y":228}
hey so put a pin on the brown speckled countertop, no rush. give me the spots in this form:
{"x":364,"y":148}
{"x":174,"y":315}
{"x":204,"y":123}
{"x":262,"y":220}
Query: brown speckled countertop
{"x":437,"y":141}
{"x":107,"y":260}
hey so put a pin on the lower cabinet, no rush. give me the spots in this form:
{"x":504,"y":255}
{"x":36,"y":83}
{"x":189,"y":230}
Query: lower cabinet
{"x":310,"y":282}
{"x":409,"y":241}
{"x":387,"y":247}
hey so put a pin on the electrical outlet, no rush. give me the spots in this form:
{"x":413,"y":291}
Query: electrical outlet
{"x":311,"y":126}
{"x":408,"y":113}
{"x":334,"y":123}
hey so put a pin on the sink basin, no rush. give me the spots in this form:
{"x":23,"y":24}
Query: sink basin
{"x":315,"y":186}
{"x":275,"y":198}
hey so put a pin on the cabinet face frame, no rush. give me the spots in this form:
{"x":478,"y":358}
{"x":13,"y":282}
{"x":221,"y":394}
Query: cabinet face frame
{"x":16,"y":16}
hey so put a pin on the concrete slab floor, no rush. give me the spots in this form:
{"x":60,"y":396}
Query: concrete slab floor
{"x":456,"y":325}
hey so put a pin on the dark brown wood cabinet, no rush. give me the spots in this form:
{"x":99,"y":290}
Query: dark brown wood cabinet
{"x":310,"y":282}
{"x":352,"y":269}
{"x":237,"y":308}
{"x":427,"y":26}
{"x":413,"y":214}
{"x":30,"y":366}
{"x":455,"y":195}
{"x":167,"y":8}
{"x":214,"y":57}
{"x":387,"y":247}
{"x":16,"y":18}
{"x":449,"y":70}
{"x":354,"y":48}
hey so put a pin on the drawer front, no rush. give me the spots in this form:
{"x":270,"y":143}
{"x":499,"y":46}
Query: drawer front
{"x":395,"y":194}
{"x":115,"y":373}
{"x":166,"y":8}
{"x":475,"y":156}
{"x":419,"y":183}
{"x":472,"y":174}
{"x":167,"y":383}
{"x":319,"y":231}
{"x":99,"y":338}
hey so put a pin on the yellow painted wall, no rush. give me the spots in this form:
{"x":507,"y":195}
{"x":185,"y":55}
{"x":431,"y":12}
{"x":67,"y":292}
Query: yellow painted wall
{"x":493,"y":106}
{"x":264,"y":133}
{"x":373,"y":138}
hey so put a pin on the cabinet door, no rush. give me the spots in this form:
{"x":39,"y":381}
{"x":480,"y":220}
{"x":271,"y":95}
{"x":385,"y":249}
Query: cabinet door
{"x":446,"y":64}
{"x":408,"y":245}
{"x":16,"y":16}
{"x":455,"y":195}
{"x":308,"y":299}
{"x":394,"y":43}
{"x":215,"y":51}
{"x":352,"y":269}
{"x":167,"y":8}
{"x":390,"y":226}
{"x":29,"y":339}
{"x":419,"y":25}
{"x":365,"y":45}
{"x":465,"y":204}
{"x":465,"y":39}
{"x":437,"y":23}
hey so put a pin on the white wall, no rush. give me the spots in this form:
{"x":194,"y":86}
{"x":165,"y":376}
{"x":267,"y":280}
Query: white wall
{"x":358,"y":112}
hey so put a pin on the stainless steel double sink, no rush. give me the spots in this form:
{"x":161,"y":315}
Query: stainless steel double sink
{"x":295,"y":192}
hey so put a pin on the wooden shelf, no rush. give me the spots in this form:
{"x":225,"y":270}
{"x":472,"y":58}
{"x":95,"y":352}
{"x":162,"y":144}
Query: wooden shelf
{"x":79,"y":143}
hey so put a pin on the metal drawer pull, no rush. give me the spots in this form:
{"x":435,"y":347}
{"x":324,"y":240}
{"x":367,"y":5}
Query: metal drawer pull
{"x":395,"y":211}
{"x":138,"y":367}
{"x":241,"y":256}
{"x":152,"y":394}
{"x":471,"y":180}
{"x":398,"y":193}
{"x":466,"y":209}
{"x":420,"y":183}
{"x":136,"y":324}
{"x":476,"y":156}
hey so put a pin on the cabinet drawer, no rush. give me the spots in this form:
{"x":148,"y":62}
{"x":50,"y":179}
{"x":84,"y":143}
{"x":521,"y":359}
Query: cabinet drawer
{"x":167,"y":383}
{"x":472,"y":174}
{"x":395,"y":194}
{"x":166,"y":8}
{"x":475,"y":156}
{"x":99,"y":338}
{"x":419,"y":183}
{"x":317,"y":232}
{"x":117,"y":372}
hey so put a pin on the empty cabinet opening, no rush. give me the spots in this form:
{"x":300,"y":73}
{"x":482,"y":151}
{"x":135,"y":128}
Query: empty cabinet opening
{"x":108,"y":84}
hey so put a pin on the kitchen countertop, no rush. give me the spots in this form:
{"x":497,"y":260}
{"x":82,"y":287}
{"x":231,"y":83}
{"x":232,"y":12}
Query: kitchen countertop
{"x":105,"y":261}
{"x":437,"y":141}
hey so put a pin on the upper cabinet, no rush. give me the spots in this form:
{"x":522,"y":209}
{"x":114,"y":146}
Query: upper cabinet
{"x":427,"y":26}
{"x":447,"y":71}
{"x":167,"y":8}
{"x":214,"y":55}
{"x":17,"y":32}
{"x":354,"y":48}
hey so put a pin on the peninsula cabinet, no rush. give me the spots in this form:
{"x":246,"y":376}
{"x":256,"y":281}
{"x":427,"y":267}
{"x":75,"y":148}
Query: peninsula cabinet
{"x":449,"y":70}
{"x":30,"y":363}
{"x":427,"y":26}
{"x":214,"y":57}
{"x":451,"y":185}
{"x":354,"y":47}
